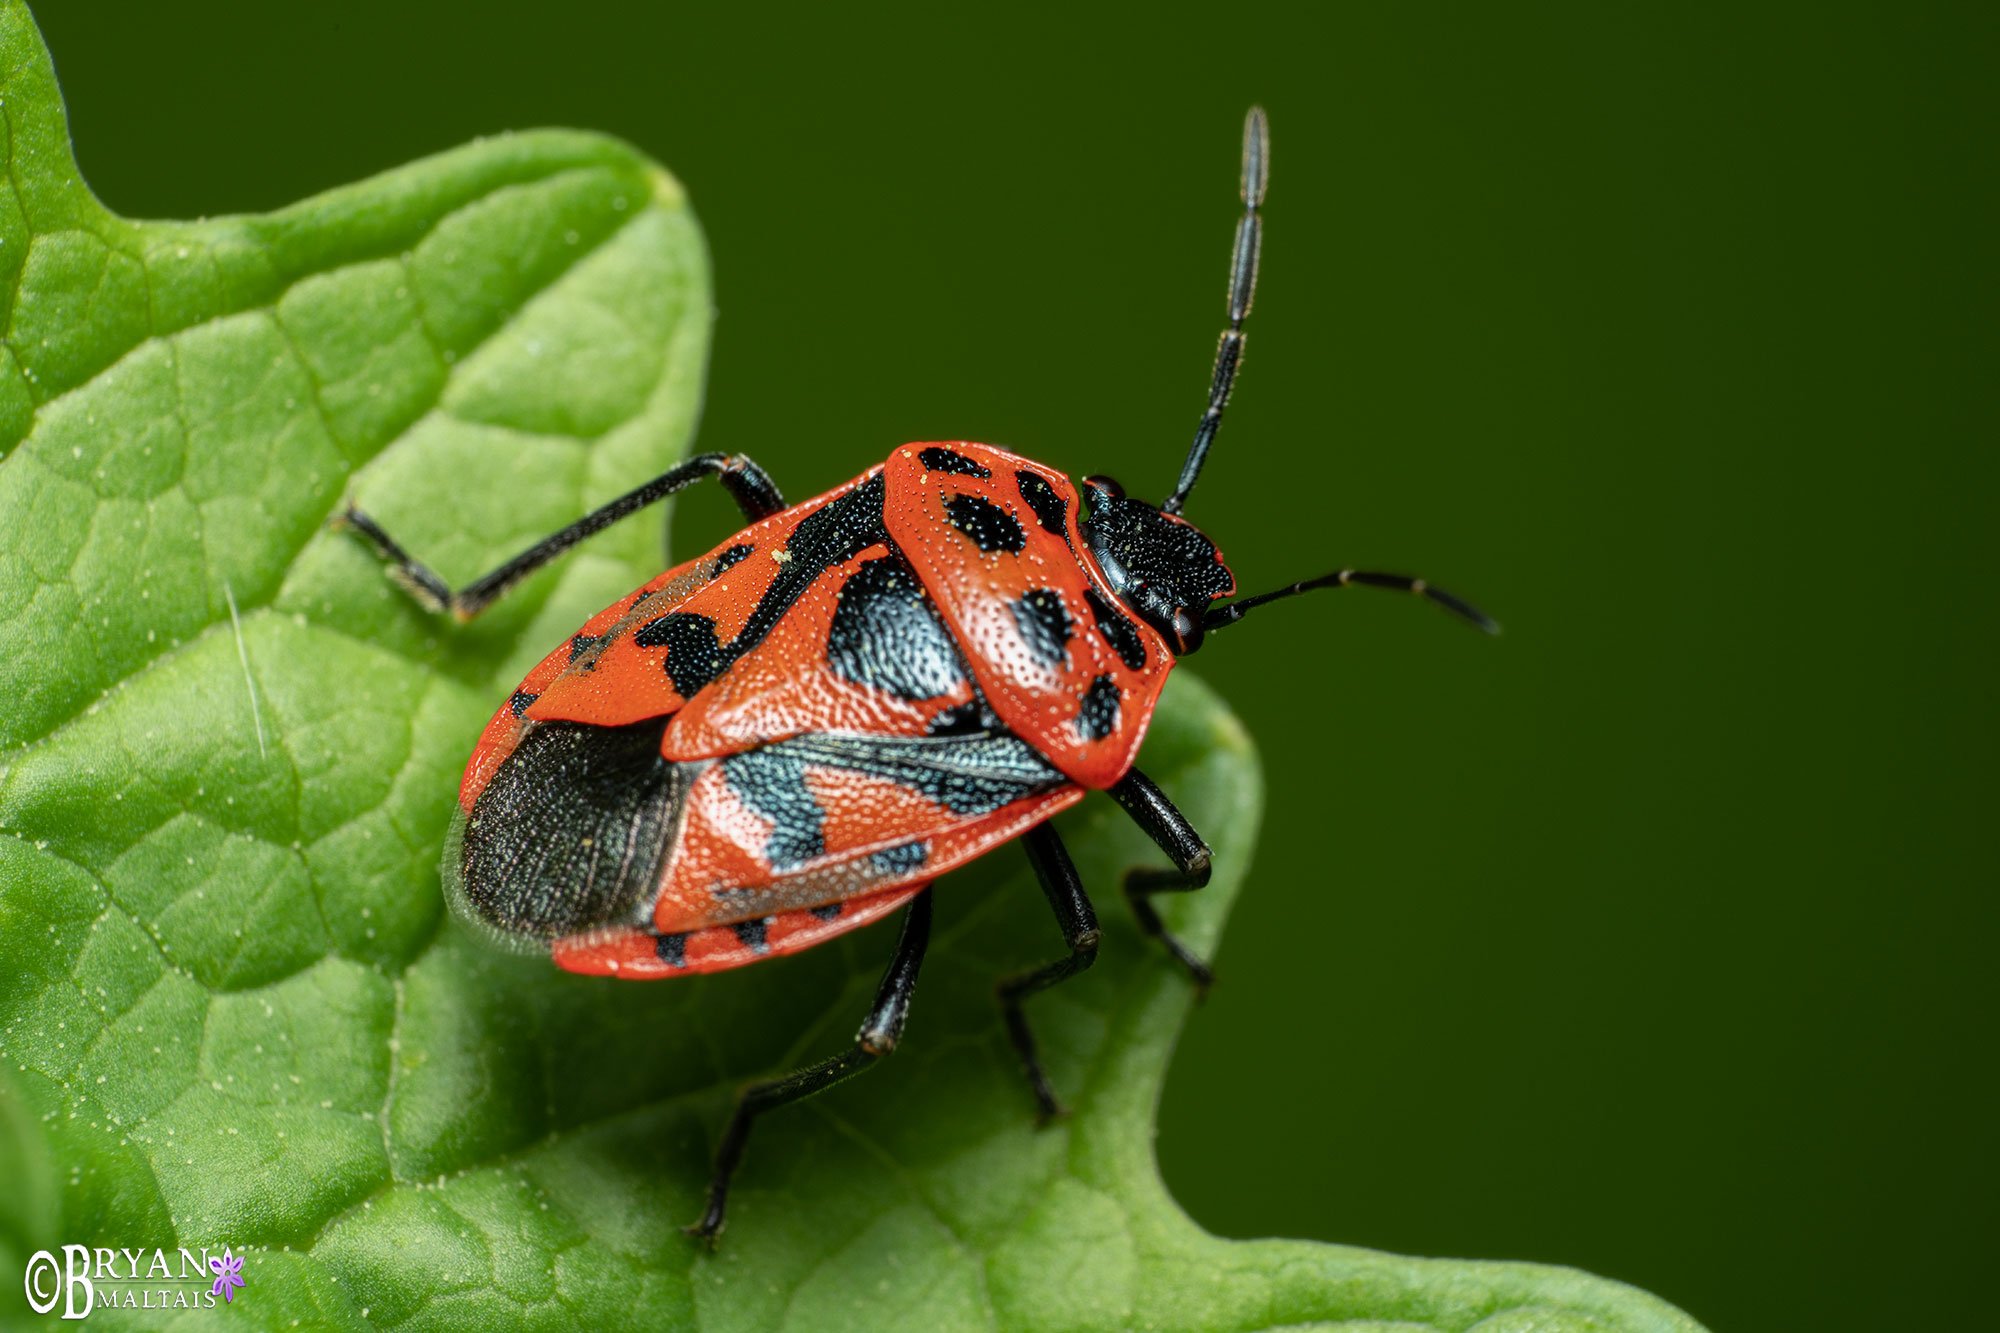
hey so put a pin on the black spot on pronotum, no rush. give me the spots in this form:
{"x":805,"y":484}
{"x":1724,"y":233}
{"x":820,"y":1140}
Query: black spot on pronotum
{"x":1099,"y":716}
{"x":827,"y":911}
{"x":1050,"y":508}
{"x":990,"y":527}
{"x":521,"y":702}
{"x":693,"y":656}
{"x":946,"y":460}
{"x":1118,"y":631}
{"x":671,"y":949}
{"x":731,"y":558}
{"x":900,"y":859}
{"x":1044,"y":624}
{"x":752,"y":934}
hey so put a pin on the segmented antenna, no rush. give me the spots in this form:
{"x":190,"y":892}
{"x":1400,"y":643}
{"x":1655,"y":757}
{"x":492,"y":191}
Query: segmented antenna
{"x":1242,"y":287}
{"x":1218,"y":617}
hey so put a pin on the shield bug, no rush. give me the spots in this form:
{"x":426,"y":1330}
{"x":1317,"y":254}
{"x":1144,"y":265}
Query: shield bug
{"x":795,"y":733}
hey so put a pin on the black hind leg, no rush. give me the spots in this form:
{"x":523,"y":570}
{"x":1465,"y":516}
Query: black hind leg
{"x":746,"y":483}
{"x":877,"y":1037}
{"x":1064,"y":890}
{"x":1153,"y":812}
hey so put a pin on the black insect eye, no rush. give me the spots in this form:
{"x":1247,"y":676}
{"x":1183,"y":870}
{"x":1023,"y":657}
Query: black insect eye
{"x":1188,"y":631}
{"x":1109,"y":485}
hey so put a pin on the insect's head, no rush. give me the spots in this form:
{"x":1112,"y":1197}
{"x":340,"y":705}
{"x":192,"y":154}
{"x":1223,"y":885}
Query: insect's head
{"x":1161,"y":566}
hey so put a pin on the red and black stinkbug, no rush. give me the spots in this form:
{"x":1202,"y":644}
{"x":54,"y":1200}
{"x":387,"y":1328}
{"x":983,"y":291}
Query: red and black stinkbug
{"x":794,"y":734}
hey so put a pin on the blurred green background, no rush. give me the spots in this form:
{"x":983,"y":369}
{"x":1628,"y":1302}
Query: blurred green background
{"x":1651,"y":937}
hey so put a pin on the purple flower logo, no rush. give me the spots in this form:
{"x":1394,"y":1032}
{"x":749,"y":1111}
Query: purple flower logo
{"x":228,"y":1270}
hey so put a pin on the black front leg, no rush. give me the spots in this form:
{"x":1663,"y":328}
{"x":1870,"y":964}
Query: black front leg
{"x":877,"y":1037}
{"x":1064,"y":890}
{"x":1153,"y":812}
{"x":746,"y":483}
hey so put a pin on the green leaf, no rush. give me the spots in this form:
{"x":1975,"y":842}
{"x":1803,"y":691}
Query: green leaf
{"x":231,"y":1009}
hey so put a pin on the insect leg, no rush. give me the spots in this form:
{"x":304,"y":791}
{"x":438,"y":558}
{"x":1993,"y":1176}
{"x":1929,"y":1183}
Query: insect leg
{"x":1152,"y":811}
{"x":1064,"y":890}
{"x":746,"y":483}
{"x":877,"y":1037}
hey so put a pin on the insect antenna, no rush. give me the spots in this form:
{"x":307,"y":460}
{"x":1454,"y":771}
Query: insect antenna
{"x":1242,"y":287}
{"x":1218,"y":616}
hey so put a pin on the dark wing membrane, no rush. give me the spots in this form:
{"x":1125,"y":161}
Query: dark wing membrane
{"x":570,"y":832}
{"x":498,"y":740}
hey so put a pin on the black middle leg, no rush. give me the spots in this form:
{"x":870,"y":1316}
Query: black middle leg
{"x":1064,"y":890}
{"x":1152,"y":811}
{"x":877,"y":1038}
